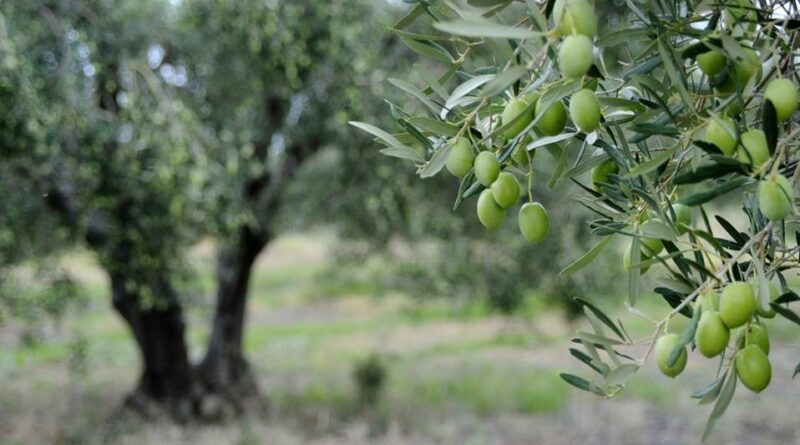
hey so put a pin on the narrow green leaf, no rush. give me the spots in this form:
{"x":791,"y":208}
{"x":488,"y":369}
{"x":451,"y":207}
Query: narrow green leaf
{"x":428,"y":49}
{"x":403,"y":153}
{"x":503,"y":81}
{"x":435,"y":126}
{"x":650,"y":165}
{"x":769,"y":122}
{"x":436,"y":162}
{"x":786,"y":313}
{"x":619,"y":376}
{"x":577,"y":382}
{"x":479,"y":27}
{"x":724,"y":399}
{"x":377,"y":132}
{"x":599,"y":314}
{"x":587,"y":258}
{"x":686,"y":337}
{"x":416,"y":92}
{"x":710,"y":392}
{"x":721,"y":189}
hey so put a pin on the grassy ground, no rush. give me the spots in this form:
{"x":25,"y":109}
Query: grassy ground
{"x":458,"y":374}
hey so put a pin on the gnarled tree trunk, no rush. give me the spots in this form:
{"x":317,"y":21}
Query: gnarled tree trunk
{"x":225,"y":381}
{"x":166,"y":378}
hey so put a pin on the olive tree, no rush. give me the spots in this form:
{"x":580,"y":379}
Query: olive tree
{"x":681,"y":107}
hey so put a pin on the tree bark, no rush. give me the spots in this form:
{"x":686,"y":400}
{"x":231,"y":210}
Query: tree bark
{"x":166,"y":379}
{"x":226,"y":383}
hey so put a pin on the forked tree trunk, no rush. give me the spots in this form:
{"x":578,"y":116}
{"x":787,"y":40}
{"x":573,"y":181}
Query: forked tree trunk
{"x":166,"y":379}
{"x":224,"y":377}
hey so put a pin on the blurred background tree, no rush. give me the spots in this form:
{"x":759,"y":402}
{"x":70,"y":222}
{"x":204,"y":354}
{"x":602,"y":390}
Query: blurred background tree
{"x":137,"y":129}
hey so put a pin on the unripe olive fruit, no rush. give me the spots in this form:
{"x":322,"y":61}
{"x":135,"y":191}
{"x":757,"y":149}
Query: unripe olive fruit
{"x":553,"y":119}
{"x":737,"y":304}
{"x":490,"y":214}
{"x":711,"y":336}
{"x":722,"y":134}
{"x":487,"y":167}
{"x":784,"y":97}
{"x":575,"y":17}
{"x":768,"y":312}
{"x":575,"y":56}
{"x":533,"y":222}
{"x":532,"y":98}
{"x":709,"y":301}
{"x":776,"y":197}
{"x":711,"y":62}
{"x":601,"y":172}
{"x":505,"y":190}
{"x":749,"y":66}
{"x":459,"y":161}
{"x":754,"y":148}
{"x":741,"y":73}
{"x":758,"y":335}
{"x":663,"y":349}
{"x":753,"y":368}
{"x":513,"y":109}
{"x":650,"y":246}
{"x":683,"y":217}
{"x":584,"y":109}
{"x":520,"y":155}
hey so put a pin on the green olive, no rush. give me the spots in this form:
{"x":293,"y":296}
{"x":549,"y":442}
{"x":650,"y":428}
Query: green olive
{"x":709,"y":301}
{"x":575,"y":17}
{"x":768,"y":312}
{"x":532,"y":98}
{"x":663,"y":349}
{"x":487,"y":167}
{"x":584,"y":109}
{"x":784,"y":97}
{"x":753,"y":149}
{"x":553,"y":119}
{"x":737,"y":304}
{"x":521,"y":155}
{"x":575,"y":56}
{"x":711,"y":336}
{"x":505,"y":190}
{"x":722,"y":134}
{"x":513,"y":109}
{"x":460,"y":159}
{"x":711,"y":62}
{"x":650,"y":246}
{"x":753,"y":368}
{"x":683,"y":217}
{"x":490,"y":214}
{"x":601,"y":172}
{"x":533,"y":222}
{"x":756,"y":334}
{"x":743,"y":70}
{"x":776,"y":197}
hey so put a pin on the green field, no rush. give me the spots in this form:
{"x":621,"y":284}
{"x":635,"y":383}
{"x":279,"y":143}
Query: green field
{"x":457,"y":372}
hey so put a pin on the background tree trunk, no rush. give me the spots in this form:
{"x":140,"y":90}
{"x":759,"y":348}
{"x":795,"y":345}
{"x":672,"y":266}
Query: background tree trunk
{"x":166,"y":378}
{"x":225,"y":379}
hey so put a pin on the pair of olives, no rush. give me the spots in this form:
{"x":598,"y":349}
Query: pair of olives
{"x":576,"y":20}
{"x":584,"y":110}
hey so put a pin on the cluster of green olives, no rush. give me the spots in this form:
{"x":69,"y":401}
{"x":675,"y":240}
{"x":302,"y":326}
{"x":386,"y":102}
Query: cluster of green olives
{"x":502,"y":192}
{"x":775,"y":193}
{"x":576,"y":20}
{"x":734,"y":308}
